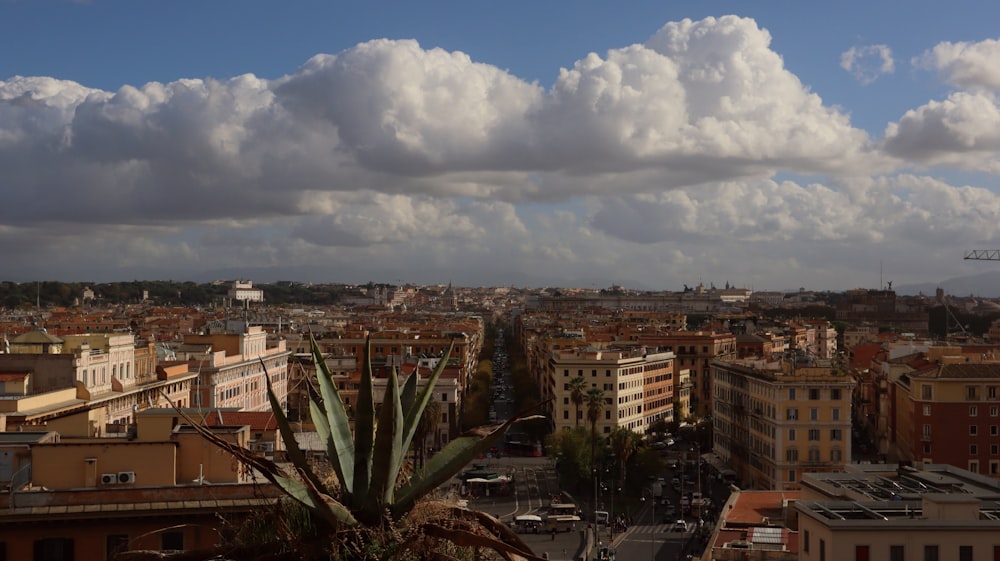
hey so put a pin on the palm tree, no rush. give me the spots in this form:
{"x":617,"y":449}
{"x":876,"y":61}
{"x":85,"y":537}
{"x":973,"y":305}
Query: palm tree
{"x":576,"y":388}
{"x":624,"y":445}
{"x":427,"y":426}
{"x":595,"y":405}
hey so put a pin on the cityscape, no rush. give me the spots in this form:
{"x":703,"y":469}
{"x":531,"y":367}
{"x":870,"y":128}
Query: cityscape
{"x":520,"y":281}
{"x":730,"y":424}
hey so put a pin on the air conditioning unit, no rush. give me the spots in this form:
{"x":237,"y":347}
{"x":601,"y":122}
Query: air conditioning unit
{"x":109,"y":478}
{"x":126,"y":477}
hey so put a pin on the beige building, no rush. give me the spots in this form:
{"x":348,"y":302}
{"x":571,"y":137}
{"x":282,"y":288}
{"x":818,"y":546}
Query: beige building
{"x":892,"y":513}
{"x":774,"y":421}
{"x":232,"y":369}
{"x":638,"y":387}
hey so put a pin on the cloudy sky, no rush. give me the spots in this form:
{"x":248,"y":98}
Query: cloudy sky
{"x":765,"y":144}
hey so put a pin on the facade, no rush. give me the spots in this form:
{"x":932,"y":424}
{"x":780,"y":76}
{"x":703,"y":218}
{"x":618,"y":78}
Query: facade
{"x":243,"y":291}
{"x":949,"y":413}
{"x":774,"y":421}
{"x":233,"y":369}
{"x":890,"y":512}
{"x":638,"y":387}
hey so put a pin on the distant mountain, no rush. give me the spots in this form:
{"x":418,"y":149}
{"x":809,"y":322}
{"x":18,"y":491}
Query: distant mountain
{"x":985,"y":285}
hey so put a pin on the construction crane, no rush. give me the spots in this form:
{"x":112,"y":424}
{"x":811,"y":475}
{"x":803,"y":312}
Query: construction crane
{"x":983,"y":254}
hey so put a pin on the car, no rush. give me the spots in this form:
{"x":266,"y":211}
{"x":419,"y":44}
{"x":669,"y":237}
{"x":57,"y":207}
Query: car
{"x":680,"y":526}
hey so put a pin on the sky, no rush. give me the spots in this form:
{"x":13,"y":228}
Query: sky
{"x":769,"y":145}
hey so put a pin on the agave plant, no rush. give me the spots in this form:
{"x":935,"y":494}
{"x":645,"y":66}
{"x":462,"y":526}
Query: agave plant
{"x":372,"y":489}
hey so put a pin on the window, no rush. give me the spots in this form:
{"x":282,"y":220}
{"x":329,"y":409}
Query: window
{"x":172,"y":541}
{"x":971,"y":392}
{"x":836,"y":413}
{"x":861,"y":553}
{"x":813,"y":414}
{"x":973,"y":450}
{"x":792,"y":414}
{"x":836,"y":455}
{"x":54,"y":549}
{"x":973,"y":430}
{"x":444,"y":397}
{"x":791,"y":396}
{"x":927,"y":410}
{"x":565,"y":414}
{"x":993,"y":430}
{"x":814,"y":434}
{"x":822,"y":550}
{"x":927,"y":431}
{"x":836,"y":434}
{"x":791,"y":475}
{"x":965,"y":553}
{"x":792,"y":455}
{"x":814,"y":455}
{"x":974,"y":466}
{"x":973,"y":411}
{"x":115,"y":544}
{"x":813,"y":394}
{"x":835,"y":393}
{"x":896,"y":553}
{"x":565,"y":401}
{"x":805,"y":541}
{"x":991,"y":392}
{"x":930,"y":553}
{"x":994,"y":411}
{"x":791,"y":434}
{"x":926,"y":391}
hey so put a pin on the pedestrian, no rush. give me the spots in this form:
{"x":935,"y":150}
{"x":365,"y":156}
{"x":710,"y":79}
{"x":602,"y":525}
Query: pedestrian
{"x":553,"y":534}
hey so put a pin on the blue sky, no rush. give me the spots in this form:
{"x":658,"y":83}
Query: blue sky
{"x":546,"y":143}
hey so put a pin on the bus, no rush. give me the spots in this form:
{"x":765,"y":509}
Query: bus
{"x":516,"y":448}
{"x":562,"y":509}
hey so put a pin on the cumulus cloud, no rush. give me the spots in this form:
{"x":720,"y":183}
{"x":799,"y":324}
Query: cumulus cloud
{"x":391,"y":156}
{"x":966,"y":65}
{"x":962,"y":131}
{"x":868,"y":62}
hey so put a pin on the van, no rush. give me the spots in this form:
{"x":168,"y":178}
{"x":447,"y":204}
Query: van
{"x":561,"y":523}
{"x":601,"y":517}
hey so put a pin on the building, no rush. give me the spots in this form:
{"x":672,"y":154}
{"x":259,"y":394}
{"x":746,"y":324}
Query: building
{"x":637,"y":386}
{"x":757,"y":525}
{"x":233,"y":368}
{"x":897,"y":513}
{"x":243,"y":291}
{"x":774,"y":421}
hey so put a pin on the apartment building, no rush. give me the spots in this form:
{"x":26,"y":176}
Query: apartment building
{"x":774,"y":421}
{"x":637,"y":386}
{"x":231,"y":367}
{"x":898,"y":513}
{"x":949,"y":413}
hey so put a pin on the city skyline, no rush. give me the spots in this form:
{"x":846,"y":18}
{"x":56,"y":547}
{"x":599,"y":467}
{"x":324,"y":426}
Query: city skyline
{"x":764,"y":146}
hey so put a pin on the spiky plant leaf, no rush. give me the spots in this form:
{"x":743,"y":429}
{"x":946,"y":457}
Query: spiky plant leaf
{"x":322,"y":505}
{"x":388,"y":450}
{"x":295,"y":454}
{"x":409,"y":394}
{"x":417,"y":407}
{"x":340,"y":445}
{"x":364,"y":430}
{"x":449,"y":461}
{"x":465,"y":538}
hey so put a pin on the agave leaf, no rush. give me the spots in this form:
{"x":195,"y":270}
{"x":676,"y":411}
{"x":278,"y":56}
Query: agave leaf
{"x":295,"y":454}
{"x":491,"y":524}
{"x":318,"y":503}
{"x":416,"y":409}
{"x":446,"y":463}
{"x":465,"y":538}
{"x":340,"y":445}
{"x":388,"y":449}
{"x":364,"y":430}
{"x":409,"y":394}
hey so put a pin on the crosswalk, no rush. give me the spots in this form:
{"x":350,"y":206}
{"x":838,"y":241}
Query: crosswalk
{"x":668,"y":529}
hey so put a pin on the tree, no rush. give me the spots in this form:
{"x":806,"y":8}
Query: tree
{"x":624,"y":445}
{"x":426,"y":427}
{"x":595,"y":406}
{"x":577,"y":387}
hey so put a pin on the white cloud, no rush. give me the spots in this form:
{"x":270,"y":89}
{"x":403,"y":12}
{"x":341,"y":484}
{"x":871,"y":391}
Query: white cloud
{"x":644,"y":162}
{"x":966,"y":65}
{"x":962,"y":131}
{"x":868,"y":62}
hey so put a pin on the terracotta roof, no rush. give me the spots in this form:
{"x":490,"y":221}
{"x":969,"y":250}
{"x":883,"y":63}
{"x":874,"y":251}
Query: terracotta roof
{"x":753,"y":507}
{"x":964,"y":370}
{"x":13,"y":376}
{"x":257,"y":420}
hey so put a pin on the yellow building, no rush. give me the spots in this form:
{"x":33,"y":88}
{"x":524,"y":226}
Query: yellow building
{"x":637,"y":387}
{"x":775,"y":421}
